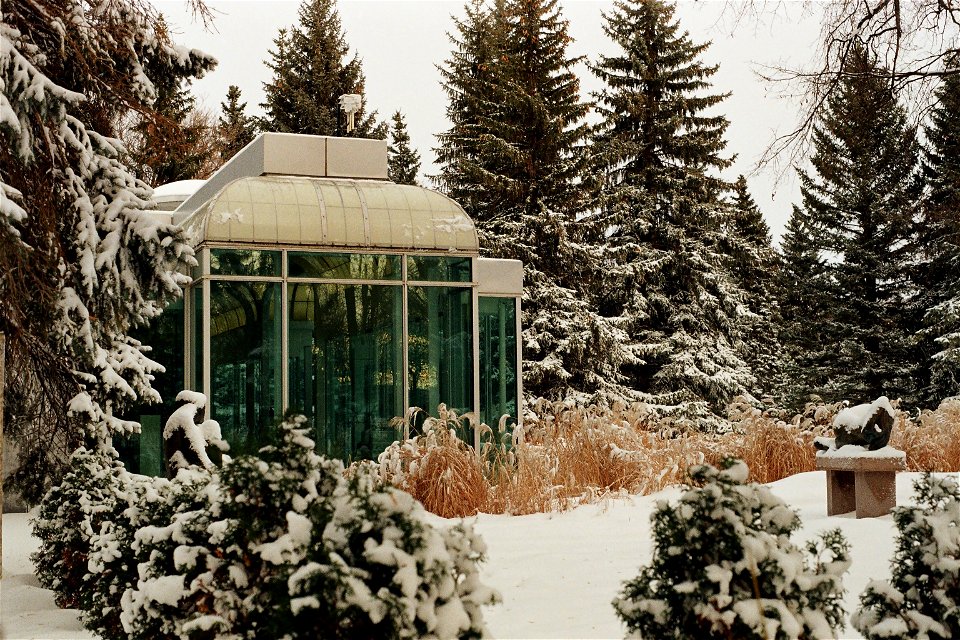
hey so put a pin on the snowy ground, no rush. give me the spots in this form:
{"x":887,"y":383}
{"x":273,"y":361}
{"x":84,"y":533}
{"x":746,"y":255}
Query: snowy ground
{"x":557,"y":572}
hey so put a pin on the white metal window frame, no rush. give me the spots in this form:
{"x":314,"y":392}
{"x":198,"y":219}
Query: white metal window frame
{"x":205,"y":277}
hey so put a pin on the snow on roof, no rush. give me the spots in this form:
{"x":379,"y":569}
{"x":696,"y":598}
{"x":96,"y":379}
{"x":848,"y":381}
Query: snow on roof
{"x":856,"y":417}
{"x":176,"y":192}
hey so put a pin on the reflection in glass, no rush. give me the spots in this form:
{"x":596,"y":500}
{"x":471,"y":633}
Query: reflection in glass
{"x":440,"y":355}
{"x":196,"y":338}
{"x":498,"y":360}
{"x":144,"y":453}
{"x":439,"y":268}
{"x":345,"y":349}
{"x":343,"y":266}
{"x":245,"y":361}
{"x":244,"y":262}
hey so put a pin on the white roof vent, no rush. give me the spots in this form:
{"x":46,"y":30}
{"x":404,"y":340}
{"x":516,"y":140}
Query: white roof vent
{"x":350,"y":103}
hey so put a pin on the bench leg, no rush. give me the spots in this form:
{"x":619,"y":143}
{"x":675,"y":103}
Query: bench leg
{"x":876,"y":493}
{"x":841,"y":495}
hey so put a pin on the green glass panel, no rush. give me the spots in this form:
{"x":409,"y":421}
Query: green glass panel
{"x":440,"y":354}
{"x":244,"y":262}
{"x":164,"y":335}
{"x":345,"y":362}
{"x":439,"y":268}
{"x":498,"y":361}
{"x":245,"y":361}
{"x":196,"y":338}
{"x":343,"y":266}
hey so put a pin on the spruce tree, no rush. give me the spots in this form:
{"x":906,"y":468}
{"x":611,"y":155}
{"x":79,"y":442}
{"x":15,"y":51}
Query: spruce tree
{"x":754,"y":263}
{"x":235,"y":129}
{"x":469,"y":75}
{"x":661,"y":216}
{"x":860,"y":202}
{"x":514,"y":157}
{"x":940,"y":273}
{"x":82,"y":263}
{"x":311,"y":70}
{"x":800,"y":285}
{"x":403,"y":161}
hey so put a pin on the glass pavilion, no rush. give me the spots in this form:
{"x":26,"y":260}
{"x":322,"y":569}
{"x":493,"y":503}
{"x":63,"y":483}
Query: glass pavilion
{"x":325,"y":288}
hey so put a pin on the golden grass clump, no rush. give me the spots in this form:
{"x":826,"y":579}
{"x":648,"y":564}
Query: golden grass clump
{"x":437,"y":468}
{"x":931,"y":442}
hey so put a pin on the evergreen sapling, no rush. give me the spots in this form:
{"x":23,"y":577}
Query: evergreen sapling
{"x":724,"y":567}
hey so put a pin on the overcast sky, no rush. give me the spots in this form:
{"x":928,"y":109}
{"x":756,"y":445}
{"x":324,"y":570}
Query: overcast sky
{"x":402,"y":41}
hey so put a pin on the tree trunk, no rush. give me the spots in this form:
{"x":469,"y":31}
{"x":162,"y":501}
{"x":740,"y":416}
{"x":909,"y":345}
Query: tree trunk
{"x":2,"y":358}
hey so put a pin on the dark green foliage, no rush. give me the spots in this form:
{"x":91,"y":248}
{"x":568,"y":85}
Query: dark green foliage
{"x":514,"y":159}
{"x":311,"y":70}
{"x":940,"y":239}
{"x":90,"y":494}
{"x":235,"y":128}
{"x":801,"y":283}
{"x":860,"y":205}
{"x":661,"y":219}
{"x":468,"y":75}
{"x":403,"y":162}
{"x":722,"y":555}
{"x":754,"y":265}
{"x":922,"y":598}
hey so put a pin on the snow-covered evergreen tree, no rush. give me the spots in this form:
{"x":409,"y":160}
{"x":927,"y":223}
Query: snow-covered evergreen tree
{"x":468,"y":77}
{"x":754,"y":264}
{"x":661,"y":216}
{"x":235,"y":128}
{"x":311,"y":70}
{"x":922,"y":597}
{"x":403,"y":161}
{"x":515,"y":155}
{"x":860,"y":204}
{"x":81,"y":261}
{"x":940,"y":239}
{"x":724,"y":567}
{"x":801,"y":283}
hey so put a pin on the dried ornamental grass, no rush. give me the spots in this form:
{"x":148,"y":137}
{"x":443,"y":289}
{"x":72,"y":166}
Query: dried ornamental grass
{"x":566,"y":455}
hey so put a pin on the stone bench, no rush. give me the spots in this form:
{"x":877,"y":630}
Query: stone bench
{"x":864,"y":483}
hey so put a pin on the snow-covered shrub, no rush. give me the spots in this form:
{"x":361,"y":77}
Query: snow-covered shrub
{"x":114,"y":563}
{"x":283,"y":545}
{"x":71,"y":514}
{"x":724,"y":567}
{"x":922,"y":598}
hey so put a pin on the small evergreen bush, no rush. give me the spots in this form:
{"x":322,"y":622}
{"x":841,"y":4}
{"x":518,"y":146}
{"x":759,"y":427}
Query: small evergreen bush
{"x":922,"y":598}
{"x":280,"y":545}
{"x":724,"y":567}
{"x":72,"y":513}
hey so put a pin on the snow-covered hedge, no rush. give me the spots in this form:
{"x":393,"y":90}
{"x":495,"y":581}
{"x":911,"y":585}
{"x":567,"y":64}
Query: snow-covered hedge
{"x":72,"y":513}
{"x":276,"y":545}
{"x":724,"y":567}
{"x":922,"y":598}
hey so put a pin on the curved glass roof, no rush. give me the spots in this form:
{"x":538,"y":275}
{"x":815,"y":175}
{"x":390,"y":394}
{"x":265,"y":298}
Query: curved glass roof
{"x":328,"y":212}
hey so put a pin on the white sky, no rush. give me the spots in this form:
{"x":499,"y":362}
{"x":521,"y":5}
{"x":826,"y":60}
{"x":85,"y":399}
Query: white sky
{"x":402,"y":41}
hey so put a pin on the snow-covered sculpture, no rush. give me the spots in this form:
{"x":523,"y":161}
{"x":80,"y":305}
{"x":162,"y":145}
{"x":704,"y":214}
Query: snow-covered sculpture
{"x":866,"y":425}
{"x":188,"y":439}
